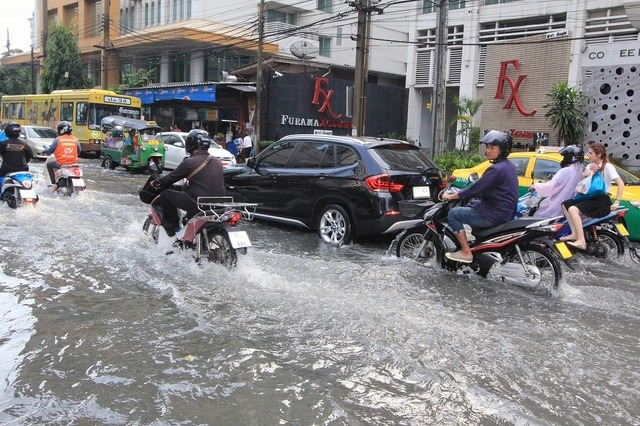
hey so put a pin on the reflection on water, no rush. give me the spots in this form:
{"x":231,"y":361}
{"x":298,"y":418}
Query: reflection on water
{"x":104,"y":328}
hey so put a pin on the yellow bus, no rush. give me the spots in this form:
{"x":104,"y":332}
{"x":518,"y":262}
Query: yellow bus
{"x":84,"y":109}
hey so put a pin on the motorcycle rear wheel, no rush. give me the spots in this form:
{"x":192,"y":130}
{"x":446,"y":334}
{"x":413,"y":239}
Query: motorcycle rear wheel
{"x":547,"y":263}
{"x":612,"y":245}
{"x":215,"y":246}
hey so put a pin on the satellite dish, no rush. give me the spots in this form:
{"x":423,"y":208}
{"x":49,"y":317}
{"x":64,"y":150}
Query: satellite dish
{"x":304,"y":50}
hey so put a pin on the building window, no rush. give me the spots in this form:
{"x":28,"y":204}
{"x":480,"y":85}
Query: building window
{"x":95,"y":18}
{"x":456,"y":4}
{"x":180,"y":68}
{"x":428,"y":6}
{"x":325,"y":46}
{"x":152,"y":15}
{"x":488,"y":2}
{"x":159,"y":15}
{"x":339,"y":37}
{"x":324,"y":5}
{"x":283,"y":17}
{"x":146,"y":15}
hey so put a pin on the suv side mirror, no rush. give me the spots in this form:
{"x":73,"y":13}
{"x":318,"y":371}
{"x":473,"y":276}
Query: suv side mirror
{"x":251,"y":162}
{"x":179,"y":144}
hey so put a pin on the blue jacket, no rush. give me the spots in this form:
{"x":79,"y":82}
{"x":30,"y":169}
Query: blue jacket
{"x":496,"y":192}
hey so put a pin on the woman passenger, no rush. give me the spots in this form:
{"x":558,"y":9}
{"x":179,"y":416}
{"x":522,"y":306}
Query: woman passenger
{"x":593,"y":207}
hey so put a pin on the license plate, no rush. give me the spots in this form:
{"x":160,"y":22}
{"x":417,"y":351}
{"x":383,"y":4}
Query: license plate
{"x":622,"y":230}
{"x":26,"y":194}
{"x":421,"y":192}
{"x":564,"y":251}
{"x":239,"y":239}
{"x":78,"y":182}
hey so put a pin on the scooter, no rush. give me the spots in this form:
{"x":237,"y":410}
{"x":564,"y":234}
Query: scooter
{"x":68,"y":178}
{"x":17,"y":189}
{"x":211,"y":233}
{"x":518,"y":252}
{"x":606,"y":236}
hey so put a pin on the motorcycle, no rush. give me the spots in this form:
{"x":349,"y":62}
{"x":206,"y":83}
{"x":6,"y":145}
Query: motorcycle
{"x":68,"y":178}
{"x":518,"y":252}
{"x":606,"y":236}
{"x":17,"y":189}
{"x":211,"y":233}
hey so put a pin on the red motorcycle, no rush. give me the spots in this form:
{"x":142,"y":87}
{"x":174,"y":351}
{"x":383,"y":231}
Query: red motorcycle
{"x":211,"y":233}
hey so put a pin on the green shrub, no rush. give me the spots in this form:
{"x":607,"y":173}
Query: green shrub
{"x":474,"y":139}
{"x":264,"y":144}
{"x":458,"y":160}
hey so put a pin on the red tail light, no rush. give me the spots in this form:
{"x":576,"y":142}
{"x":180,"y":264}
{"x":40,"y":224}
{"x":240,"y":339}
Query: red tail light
{"x":382,"y":183}
{"x":234,"y":219}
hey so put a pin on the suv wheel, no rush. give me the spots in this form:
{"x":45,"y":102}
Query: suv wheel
{"x":334,"y":225}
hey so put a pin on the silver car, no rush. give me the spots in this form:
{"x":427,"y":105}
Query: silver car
{"x":38,"y":138}
{"x":174,"y":143}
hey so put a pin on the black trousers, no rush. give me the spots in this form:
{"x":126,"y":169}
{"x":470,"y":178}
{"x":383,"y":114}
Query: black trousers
{"x":170,"y":201}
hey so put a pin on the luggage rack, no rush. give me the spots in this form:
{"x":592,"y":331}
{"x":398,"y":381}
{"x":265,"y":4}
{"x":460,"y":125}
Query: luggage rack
{"x":218,"y":206}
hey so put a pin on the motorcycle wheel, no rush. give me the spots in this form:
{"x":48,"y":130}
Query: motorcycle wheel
{"x":11,"y":199}
{"x":611,"y":246}
{"x":215,"y":246}
{"x":412,"y":245}
{"x":546,"y":262}
{"x":155,"y":230}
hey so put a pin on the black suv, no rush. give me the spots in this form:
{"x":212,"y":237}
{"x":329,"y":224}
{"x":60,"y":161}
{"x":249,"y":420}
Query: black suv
{"x":339,"y":186}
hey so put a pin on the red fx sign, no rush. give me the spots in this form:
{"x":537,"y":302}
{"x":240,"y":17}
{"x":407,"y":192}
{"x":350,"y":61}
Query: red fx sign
{"x":514,"y":87}
{"x":326,"y":95}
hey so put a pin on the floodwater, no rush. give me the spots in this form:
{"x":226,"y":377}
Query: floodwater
{"x":101,"y":327}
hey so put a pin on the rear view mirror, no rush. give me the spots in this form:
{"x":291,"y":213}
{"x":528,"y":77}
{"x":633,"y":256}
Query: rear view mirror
{"x":179,"y":144}
{"x":473,"y":177}
{"x":251,"y":162}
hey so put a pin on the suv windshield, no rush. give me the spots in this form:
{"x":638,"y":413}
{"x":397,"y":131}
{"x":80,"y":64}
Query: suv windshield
{"x":404,"y":157}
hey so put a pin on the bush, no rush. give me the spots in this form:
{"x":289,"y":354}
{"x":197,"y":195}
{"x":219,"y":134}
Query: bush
{"x":474,"y":139}
{"x":264,"y":144}
{"x":458,"y":160}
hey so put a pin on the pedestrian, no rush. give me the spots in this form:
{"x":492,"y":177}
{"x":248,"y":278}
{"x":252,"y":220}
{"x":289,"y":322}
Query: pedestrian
{"x":247,"y":146}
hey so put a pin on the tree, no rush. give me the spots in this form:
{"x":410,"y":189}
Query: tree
{"x":15,"y":81}
{"x":466,"y":109}
{"x":566,"y":113}
{"x":63,"y":68}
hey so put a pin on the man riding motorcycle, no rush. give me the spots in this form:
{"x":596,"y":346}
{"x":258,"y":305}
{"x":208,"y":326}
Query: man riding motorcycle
{"x":65,"y":147}
{"x":204,"y":179}
{"x":15,"y":152}
{"x":496,"y":194}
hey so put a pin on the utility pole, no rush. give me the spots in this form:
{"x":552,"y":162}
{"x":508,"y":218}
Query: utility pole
{"x":438,"y":115}
{"x":256,"y":130}
{"x":104,"y":54}
{"x":361,"y":71}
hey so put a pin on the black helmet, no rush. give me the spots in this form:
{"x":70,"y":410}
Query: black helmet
{"x":11,"y":129}
{"x":64,"y":128}
{"x":503,"y":140}
{"x":571,"y":154}
{"x":197,"y":139}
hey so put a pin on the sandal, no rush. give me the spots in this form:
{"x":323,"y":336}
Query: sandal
{"x":566,"y":238}
{"x":578,"y":246}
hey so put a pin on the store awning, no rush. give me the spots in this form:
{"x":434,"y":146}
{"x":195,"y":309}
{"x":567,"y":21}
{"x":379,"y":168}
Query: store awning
{"x":243,"y":88}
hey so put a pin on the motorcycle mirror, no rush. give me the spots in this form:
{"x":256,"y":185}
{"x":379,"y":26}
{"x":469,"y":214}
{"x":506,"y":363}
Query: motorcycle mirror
{"x":473,"y":177}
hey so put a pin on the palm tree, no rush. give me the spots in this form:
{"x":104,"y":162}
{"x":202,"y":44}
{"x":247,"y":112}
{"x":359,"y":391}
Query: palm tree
{"x":566,"y":113}
{"x":466,"y":109}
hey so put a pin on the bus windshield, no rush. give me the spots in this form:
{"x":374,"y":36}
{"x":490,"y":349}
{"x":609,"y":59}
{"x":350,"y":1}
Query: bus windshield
{"x":99,"y":111}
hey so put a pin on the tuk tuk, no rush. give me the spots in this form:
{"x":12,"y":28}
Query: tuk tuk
{"x":132,"y":144}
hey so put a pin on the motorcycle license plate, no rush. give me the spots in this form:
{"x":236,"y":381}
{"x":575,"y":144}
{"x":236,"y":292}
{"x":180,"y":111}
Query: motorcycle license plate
{"x":563,"y":250}
{"x":27,"y":194}
{"x":78,"y":182}
{"x":239,"y":239}
{"x":421,"y":192}
{"x":622,"y":230}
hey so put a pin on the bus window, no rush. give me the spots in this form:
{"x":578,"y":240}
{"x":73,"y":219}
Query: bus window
{"x":81,"y":114}
{"x":67,"y":111}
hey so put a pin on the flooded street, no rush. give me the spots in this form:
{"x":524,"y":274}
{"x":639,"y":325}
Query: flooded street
{"x":101,"y":327}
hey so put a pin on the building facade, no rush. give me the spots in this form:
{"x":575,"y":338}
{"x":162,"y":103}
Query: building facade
{"x":508,"y":53}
